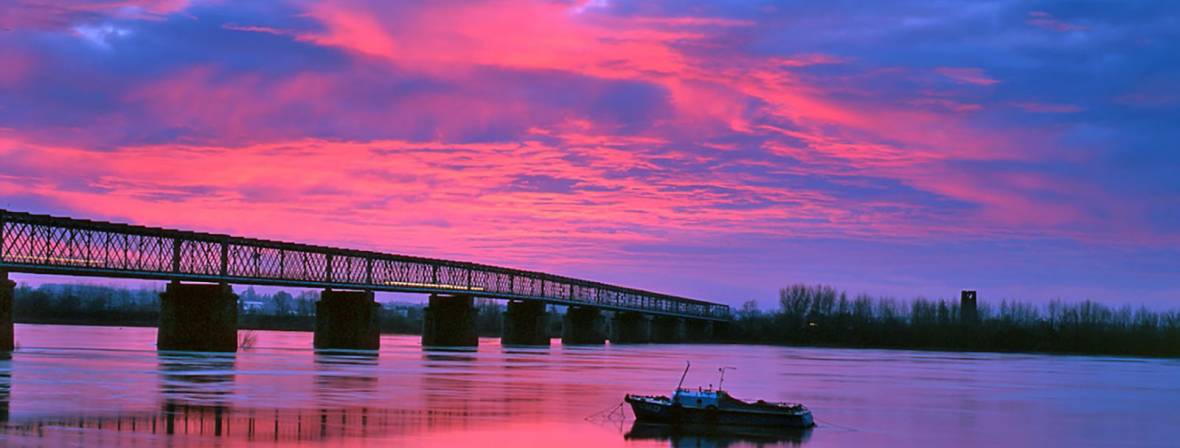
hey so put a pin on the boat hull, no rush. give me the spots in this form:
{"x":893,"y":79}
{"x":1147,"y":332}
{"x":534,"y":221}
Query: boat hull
{"x":654,"y":412}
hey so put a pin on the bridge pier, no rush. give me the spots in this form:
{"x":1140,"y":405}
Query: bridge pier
{"x":198,"y":317}
{"x":583,"y":325}
{"x":628,"y":328}
{"x":7,"y":287}
{"x":525,"y":323}
{"x":347,"y":320}
{"x":449,"y":320}
{"x":700,"y":330}
{"x":668,"y":329}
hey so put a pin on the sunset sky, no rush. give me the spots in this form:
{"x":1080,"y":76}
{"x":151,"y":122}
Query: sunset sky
{"x":716,"y":150}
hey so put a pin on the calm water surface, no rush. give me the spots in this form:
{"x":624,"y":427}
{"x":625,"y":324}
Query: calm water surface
{"x":89,"y":386}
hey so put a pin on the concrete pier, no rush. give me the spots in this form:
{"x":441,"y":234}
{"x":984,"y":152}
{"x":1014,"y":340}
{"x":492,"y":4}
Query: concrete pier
{"x":449,"y":321}
{"x":526,"y":323}
{"x":347,"y":320}
{"x":583,"y":326}
{"x":7,"y":341}
{"x":700,"y":330}
{"x":198,"y":317}
{"x":668,"y":329}
{"x":722,"y":330}
{"x":629,"y":328}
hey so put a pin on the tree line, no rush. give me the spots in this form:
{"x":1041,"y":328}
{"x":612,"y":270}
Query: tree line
{"x":820,"y":315}
{"x":817,"y":315}
{"x":280,"y":310}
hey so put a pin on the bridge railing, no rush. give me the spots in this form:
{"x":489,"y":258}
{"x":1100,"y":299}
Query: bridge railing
{"x":56,"y":245}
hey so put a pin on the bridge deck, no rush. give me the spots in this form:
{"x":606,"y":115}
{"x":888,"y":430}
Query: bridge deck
{"x":44,"y":244}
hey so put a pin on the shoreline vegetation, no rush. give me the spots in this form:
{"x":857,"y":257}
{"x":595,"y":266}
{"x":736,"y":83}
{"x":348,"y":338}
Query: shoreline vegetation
{"x":807,"y":315}
{"x":81,"y":304}
{"x":820,"y":315}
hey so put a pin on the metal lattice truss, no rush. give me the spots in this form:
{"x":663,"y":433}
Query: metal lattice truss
{"x":65,"y":246}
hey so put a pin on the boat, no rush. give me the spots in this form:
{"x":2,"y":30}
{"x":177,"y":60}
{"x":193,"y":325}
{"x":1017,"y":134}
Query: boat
{"x":710,"y":406}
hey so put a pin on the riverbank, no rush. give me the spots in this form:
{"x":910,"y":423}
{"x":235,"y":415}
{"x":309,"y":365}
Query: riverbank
{"x":821,"y":316}
{"x":808,"y":316}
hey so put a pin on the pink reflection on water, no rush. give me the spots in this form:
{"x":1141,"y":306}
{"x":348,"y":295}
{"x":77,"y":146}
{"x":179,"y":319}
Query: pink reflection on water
{"x":88,"y":386}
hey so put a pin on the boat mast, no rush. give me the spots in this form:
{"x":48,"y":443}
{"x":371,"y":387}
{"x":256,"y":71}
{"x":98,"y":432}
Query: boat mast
{"x":687,"y":364}
{"x":722,"y":380}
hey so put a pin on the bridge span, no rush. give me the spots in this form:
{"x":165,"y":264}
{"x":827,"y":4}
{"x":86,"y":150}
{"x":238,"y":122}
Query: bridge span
{"x":199,"y":309}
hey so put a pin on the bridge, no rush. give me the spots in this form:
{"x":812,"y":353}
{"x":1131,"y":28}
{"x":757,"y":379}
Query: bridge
{"x":199,"y":309}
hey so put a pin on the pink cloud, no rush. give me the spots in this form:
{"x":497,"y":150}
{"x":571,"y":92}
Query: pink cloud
{"x":709,"y":100}
{"x":464,"y":201}
{"x":353,"y":30}
{"x":714,"y":95}
{"x":460,"y":194}
{"x":1048,"y":108}
{"x":259,"y":29}
{"x":805,"y":60}
{"x":750,"y":146}
{"x":18,"y":67}
{"x":516,"y":35}
{"x":967,"y":75}
{"x":946,"y":104}
{"x":49,"y":14}
{"x":1044,"y":20}
{"x":691,"y":21}
{"x":1145,"y":97}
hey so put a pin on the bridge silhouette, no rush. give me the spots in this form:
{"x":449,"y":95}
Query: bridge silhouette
{"x":199,"y":310}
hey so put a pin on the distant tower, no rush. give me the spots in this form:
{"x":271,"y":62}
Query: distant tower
{"x":968,"y":312}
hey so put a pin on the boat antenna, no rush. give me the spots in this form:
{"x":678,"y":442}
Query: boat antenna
{"x":687,"y":364}
{"x":722,"y":370}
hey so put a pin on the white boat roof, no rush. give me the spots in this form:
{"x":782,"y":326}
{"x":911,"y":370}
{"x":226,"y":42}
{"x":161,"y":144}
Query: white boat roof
{"x":696,"y":393}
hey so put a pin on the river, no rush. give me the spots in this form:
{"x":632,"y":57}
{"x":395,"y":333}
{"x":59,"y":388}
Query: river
{"x":91,"y":386}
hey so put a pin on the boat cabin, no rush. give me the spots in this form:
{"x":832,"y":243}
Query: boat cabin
{"x":700,"y":398}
